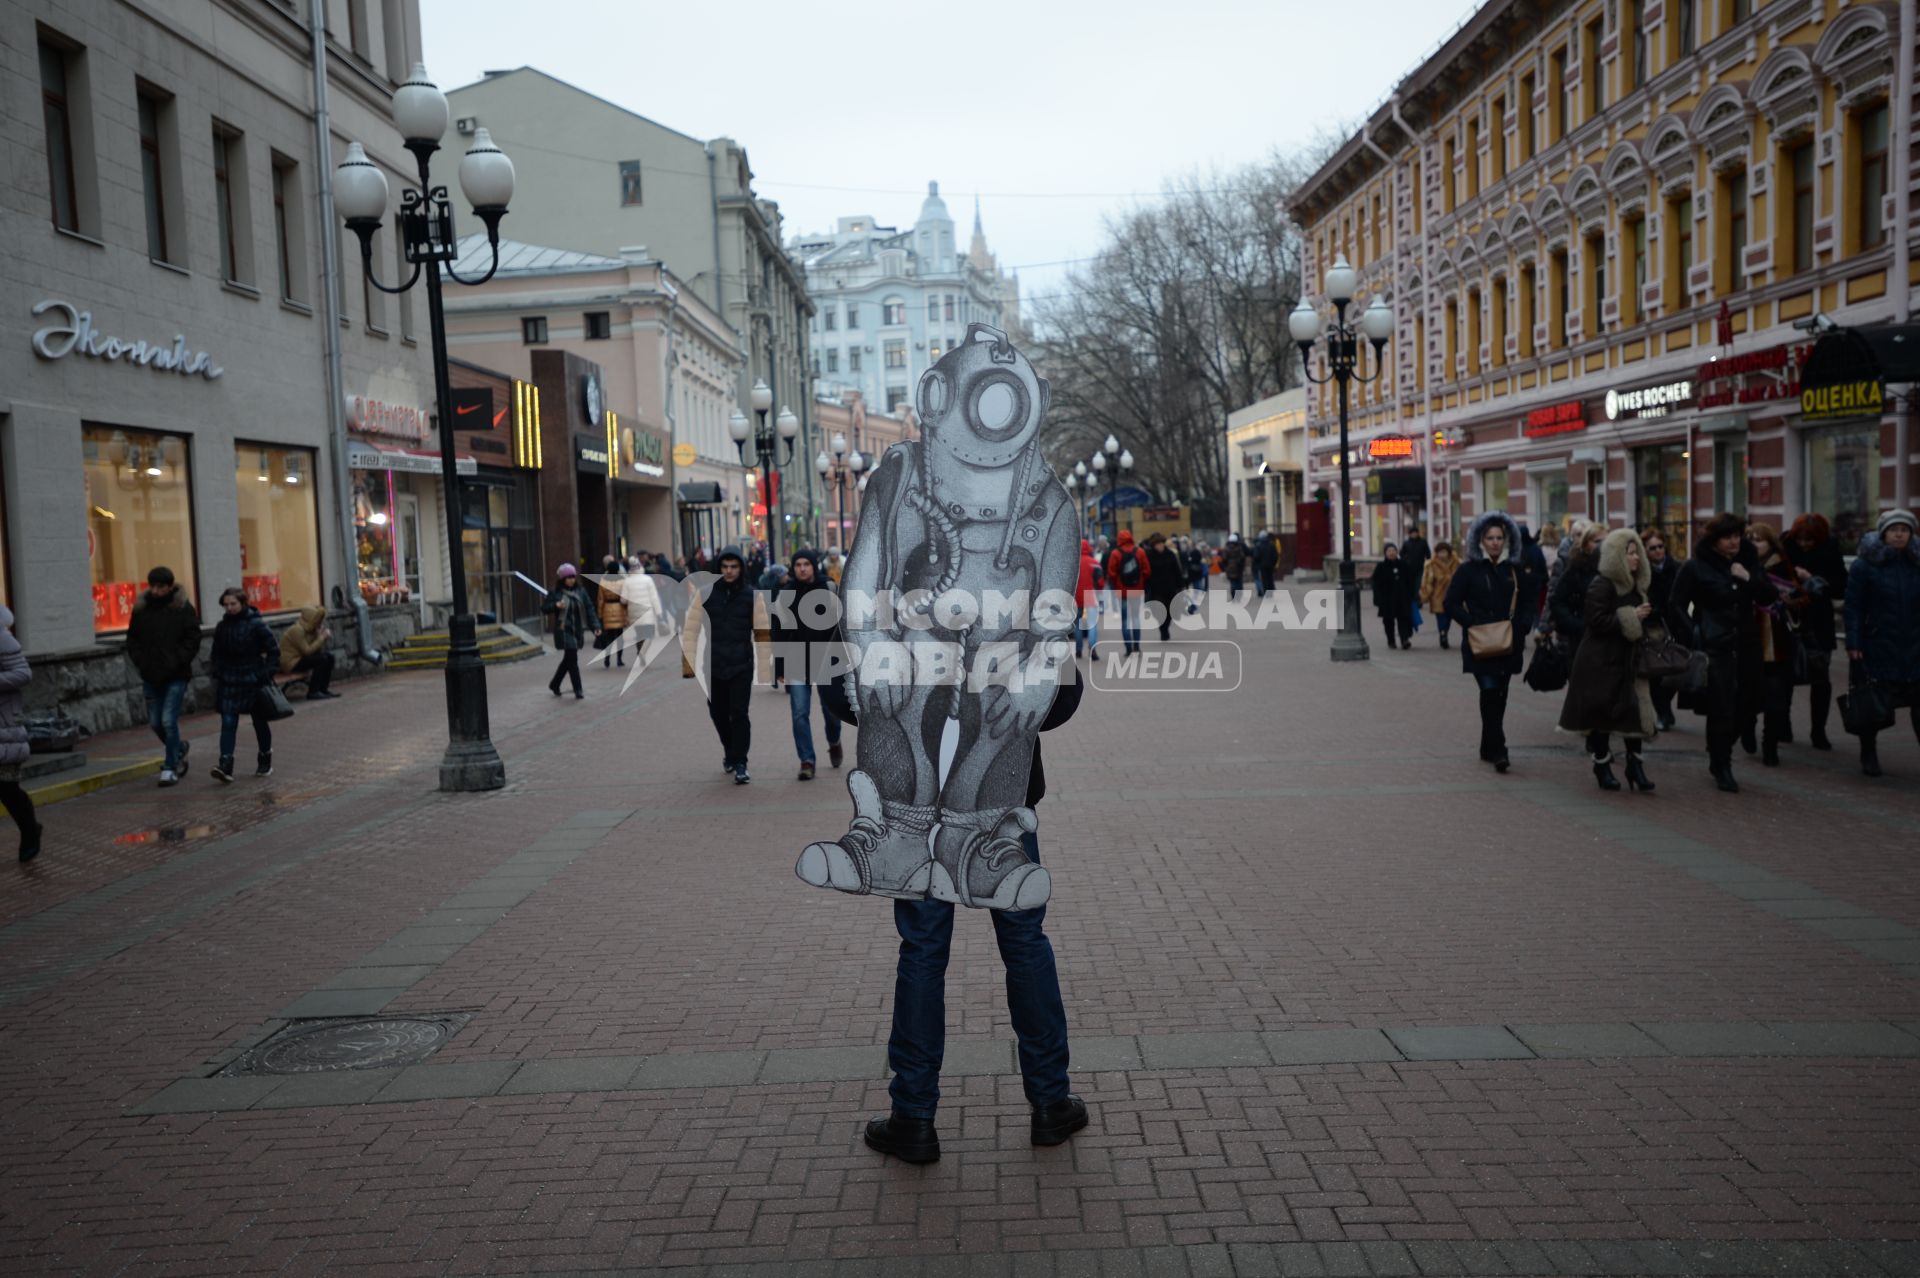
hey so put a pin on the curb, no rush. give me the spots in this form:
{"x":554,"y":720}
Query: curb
{"x":119,"y":772}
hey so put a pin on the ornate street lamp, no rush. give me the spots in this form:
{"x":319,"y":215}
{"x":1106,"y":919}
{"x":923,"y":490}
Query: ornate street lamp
{"x":1122,"y":462}
{"x":837,"y":468}
{"x":787,"y":426}
{"x":426,"y":233}
{"x":1343,"y":358}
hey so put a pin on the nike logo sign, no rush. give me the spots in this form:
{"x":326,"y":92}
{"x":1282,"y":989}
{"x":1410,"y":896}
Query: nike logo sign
{"x":464,"y":410}
{"x":499,"y":417}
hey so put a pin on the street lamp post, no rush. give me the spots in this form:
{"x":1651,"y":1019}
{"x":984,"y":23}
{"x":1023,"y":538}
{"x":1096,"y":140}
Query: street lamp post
{"x":764,"y":438}
{"x":1343,"y":358}
{"x":1122,"y":462}
{"x":426,"y":231}
{"x":837,"y":468}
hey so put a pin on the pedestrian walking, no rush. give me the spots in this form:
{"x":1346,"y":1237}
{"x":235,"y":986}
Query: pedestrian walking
{"x":1086,"y":631}
{"x":1393,"y":592}
{"x":574,"y":618}
{"x":1533,"y":567}
{"x":613,"y":613}
{"x":1713,"y":609}
{"x":1567,"y":599}
{"x":1883,"y":621}
{"x":916,"y":1047}
{"x":1490,"y":592}
{"x":807,"y":650}
{"x":15,"y":674}
{"x":1197,"y":561}
{"x":303,"y":650}
{"x":646,"y":612}
{"x":1434,"y":580}
{"x":1164,"y":581}
{"x":1266,"y":562}
{"x":1563,"y":558}
{"x":1128,"y":574}
{"x":726,"y":617}
{"x":1810,"y":545}
{"x":163,"y":642}
{"x":1415,"y":554}
{"x":1781,"y":660}
{"x":1233,"y":564}
{"x":243,"y":659}
{"x":1606,"y":694}
{"x":1662,"y":570}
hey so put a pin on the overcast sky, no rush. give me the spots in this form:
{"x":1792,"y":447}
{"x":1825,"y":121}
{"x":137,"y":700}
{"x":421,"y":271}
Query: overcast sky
{"x":1054,"y":111}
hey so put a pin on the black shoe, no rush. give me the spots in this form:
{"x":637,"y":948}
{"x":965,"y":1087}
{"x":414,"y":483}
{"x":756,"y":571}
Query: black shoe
{"x":30,"y":842}
{"x":1723,"y":777}
{"x":265,"y":764}
{"x":1818,"y":739}
{"x":1770,"y":753}
{"x":911,"y":1140}
{"x":554,"y":688}
{"x":1443,"y":641}
{"x":726,"y":765}
{"x":1666,"y":723}
{"x":806,"y":772}
{"x":1603,"y":772}
{"x":1637,"y":775}
{"x":1052,"y":1124}
{"x":1501,"y":762}
{"x":740,"y":776}
{"x":222,"y":771}
{"x":835,"y":754}
{"x":1870,"y":759}
{"x":1748,"y":743}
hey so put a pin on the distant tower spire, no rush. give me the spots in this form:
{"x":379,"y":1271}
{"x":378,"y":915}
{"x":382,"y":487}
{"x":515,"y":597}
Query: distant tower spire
{"x":976,"y":214}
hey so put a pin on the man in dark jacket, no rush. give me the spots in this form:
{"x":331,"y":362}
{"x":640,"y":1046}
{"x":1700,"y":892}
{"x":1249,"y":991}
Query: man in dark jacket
{"x":1164,"y":581}
{"x":1883,"y":620}
{"x":1266,"y":562}
{"x":917,"y":1045}
{"x":1810,"y":546}
{"x":807,"y":651}
{"x":729,"y":612}
{"x":163,"y":642}
{"x":1711,"y":610}
{"x":1233,"y":564}
{"x":1414,"y":552}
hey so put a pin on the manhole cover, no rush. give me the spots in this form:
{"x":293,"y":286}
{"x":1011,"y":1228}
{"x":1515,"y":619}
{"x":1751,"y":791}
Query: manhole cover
{"x":323,"y":1046}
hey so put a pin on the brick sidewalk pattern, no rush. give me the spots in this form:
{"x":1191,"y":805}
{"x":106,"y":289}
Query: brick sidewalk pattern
{"x":1343,"y":1001}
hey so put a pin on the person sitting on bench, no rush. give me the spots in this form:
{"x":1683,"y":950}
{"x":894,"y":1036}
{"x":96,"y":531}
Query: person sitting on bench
{"x":303,"y":650}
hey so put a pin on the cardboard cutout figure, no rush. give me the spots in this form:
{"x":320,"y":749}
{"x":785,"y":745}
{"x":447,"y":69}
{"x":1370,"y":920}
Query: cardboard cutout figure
{"x":970,"y":546}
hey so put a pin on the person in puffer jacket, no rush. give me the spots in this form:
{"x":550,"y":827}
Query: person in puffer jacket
{"x":1883,"y":620}
{"x":1492,"y":586}
{"x":15,"y":674}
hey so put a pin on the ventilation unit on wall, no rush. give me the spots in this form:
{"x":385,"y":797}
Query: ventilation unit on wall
{"x":466,"y":124}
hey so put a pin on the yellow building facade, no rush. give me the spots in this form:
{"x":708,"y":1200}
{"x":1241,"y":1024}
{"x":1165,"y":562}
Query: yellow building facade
{"x":1607,"y":230}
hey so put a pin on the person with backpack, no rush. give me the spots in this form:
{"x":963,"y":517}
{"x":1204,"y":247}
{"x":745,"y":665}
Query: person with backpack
{"x":1128,"y":573}
{"x":1233,"y":564}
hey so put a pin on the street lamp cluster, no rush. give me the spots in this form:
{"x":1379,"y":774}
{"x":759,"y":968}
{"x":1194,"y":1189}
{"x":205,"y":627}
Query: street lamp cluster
{"x":1343,"y":358}
{"x":838,"y":467}
{"x":1081,"y":478}
{"x":426,"y":231}
{"x":765,"y":439}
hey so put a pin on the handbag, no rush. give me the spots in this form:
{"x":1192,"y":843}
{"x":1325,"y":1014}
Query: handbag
{"x":1699,"y":669}
{"x":1658,"y":655}
{"x":271,"y":704}
{"x":1865,"y":707}
{"x":1549,"y":669}
{"x":1492,"y":639}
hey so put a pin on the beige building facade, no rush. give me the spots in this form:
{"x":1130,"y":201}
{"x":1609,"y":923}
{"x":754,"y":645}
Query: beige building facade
{"x":1266,"y":463}
{"x":1606,"y":229}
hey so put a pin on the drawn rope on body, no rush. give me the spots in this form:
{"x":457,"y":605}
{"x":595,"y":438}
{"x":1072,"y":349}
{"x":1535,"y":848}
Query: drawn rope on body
{"x":944,"y":532}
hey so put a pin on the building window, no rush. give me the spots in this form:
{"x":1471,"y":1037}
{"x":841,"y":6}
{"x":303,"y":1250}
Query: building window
{"x":629,"y":183}
{"x":1497,"y":327}
{"x":230,"y":204}
{"x":853,"y":359}
{"x":1493,"y":489}
{"x":533,"y":330}
{"x":1419,"y":197}
{"x":1637,"y":18}
{"x":1557,"y":299}
{"x":895,"y":354}
{"x":1472,"y":156}
{"x":949,"y":311}
{"x":279,"y":526}
{"x":833,"y":359}
{"x":853,"y":316}
{"x":153,"y":171}
{"x":1660,"y":489}
{"x":1686,"y":17}
{"x":896,"y":399}
{"x":1730,"y":475}
{"x":139,"y":497}
{"x":1800,"y":173}
{"x":1637,"y":266}
{"x":830,"y":317}
{"x":1529,"y":282}
{"x":1450,"y":351}
{"x":1473,"y":331}
{"x":1549,"y":508}
{"x":892,"y":312}
{"x":1870,"y":144}
{"x":599,"y":326}
{"x":1498,"y":151}
{"x":288,"y":229}
{"x":57,"y":113}
{"x":357,"y":26}
{"x":1843,"y":479}
{"x":1733,"y":189}
{"x":1593,"y":69}
{"x":1448,"y":184}
{"x":1739,"y":11}
{"x":933,"y":353}
{"x":1560,"y":93}
{"x":1526,"y":118}
{"x":1677,"y":230}
{"x":933,"y":308}
{"x":1596,"y":282}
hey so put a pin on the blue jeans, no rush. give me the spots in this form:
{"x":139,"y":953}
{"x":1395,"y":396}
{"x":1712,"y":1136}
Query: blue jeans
{"x":919,"y":1039}
{"x":163,"y":716}
{"x":1129,"y":605}
{"x":800,"y":699}
{"x":230,"y":733}
{"x":1086,"y":635}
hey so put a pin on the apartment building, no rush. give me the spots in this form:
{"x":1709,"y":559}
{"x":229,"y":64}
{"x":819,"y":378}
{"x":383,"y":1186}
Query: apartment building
{"x":1609,"y":231}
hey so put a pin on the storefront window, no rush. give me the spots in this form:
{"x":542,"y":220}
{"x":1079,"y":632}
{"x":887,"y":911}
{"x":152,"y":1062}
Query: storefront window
{"x":1843,"y":479}
{"x":1660,"y":490}
{"x":1493,"y":489}
{"x":279,"y":526}
{"x":377,"y":549}
{"x":1257,"y":518}
{"x":1454,"y":530}
{"x":1550,"y":500}
{"x":139,"y":516}
{"x":1730,"y":476}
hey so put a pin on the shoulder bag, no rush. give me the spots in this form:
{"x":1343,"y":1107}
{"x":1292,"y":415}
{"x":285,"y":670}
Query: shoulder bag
{"x":1492,"y":639}
{"x":1865,"y":707}
{"x":1658,"y":655}
{"x":271,"y":704}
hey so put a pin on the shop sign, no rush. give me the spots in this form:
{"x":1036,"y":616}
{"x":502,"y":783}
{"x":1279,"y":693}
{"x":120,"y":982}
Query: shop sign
{"x":647,"y":450}
{"x":1756,"y":378}
{"x":372,"y":416}
{"x":1390,"y":446}
{"x":684,"y":454}
{"x":1555,"y":419}
{"x":76,"y":332}
{"x":1396,"y":484}
{"x":592,"y":454}
{"x":1648,"y":401}
{"x":1448,"y":437}
{"x":473,"y":409}
{"x":1862,"y":397}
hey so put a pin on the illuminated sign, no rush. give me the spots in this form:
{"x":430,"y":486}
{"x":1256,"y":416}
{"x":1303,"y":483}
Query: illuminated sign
{"x":1390,"y":446}
{"x":75,"y":332}
{"x":1860,"y":398}
{"x":1756,"y":378}
{"x":1448,"y":438}
{"x":1648,"y":401}
{"x":1555,"y":419}
{"x":371,"y":416}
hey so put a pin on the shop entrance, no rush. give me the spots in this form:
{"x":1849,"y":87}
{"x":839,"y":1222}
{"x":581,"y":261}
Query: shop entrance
{"x":1660,"y":490}
{"x":407,"y":547}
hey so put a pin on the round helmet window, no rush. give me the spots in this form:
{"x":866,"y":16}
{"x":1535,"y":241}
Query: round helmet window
{"x":934,"y":395}
{"x":999,"y":408}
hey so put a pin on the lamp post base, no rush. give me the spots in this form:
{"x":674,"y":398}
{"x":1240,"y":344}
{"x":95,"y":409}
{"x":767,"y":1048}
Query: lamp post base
{"x":471,"y":763}
{"x":1349,"y":644}
{"x":1350,"y":647}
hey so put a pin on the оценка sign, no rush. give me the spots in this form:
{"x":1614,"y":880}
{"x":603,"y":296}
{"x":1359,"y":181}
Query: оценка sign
{"x":1862,"y":398}
{"x":77,"y":333}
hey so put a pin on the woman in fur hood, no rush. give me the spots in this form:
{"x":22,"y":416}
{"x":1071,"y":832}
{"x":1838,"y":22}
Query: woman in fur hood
{"x":1605,"y":694}
{"x":1489,"y":588}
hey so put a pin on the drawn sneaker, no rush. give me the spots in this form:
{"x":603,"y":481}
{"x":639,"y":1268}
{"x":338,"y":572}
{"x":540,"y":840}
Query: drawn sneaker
{"x":884,"y":852}
{"x":985,"y":868}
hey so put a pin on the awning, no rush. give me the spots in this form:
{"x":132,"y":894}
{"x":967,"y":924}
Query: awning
{"x":1888,"y":352}
{"x":694,"y":493}
{"x":366,"y":457}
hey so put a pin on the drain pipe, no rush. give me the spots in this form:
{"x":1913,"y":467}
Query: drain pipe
{"x":673,"y":418}
{"x":330,"y":305}
{"x":1899,"y":285}
{"x":1426,"y":286}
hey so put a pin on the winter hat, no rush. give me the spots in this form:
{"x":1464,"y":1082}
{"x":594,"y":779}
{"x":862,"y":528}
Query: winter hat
{"x":1893,"y":517}
{"x":729,"y":552}
{"x":568,"y":570}
{"x":810,"y":555}
{"x":1232,"y":537}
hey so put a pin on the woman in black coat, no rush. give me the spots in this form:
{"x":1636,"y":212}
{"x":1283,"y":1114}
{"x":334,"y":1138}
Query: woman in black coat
{"x":1883,"y":619}
{"x":1567,"y":602}
{"x":1605,"y":693}
{"x":574,"y":618}
{"x":1393,"y":592}
{"x":1712,"y":610}
{"x":1491,"y":587}
{"x":1165,"y":581}
{"x":1662,"y":569}
{"x":244,"y":656}
{"x":1810,"y":545}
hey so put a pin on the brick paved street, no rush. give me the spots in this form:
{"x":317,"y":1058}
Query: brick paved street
{"x":1343,"y":1002}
